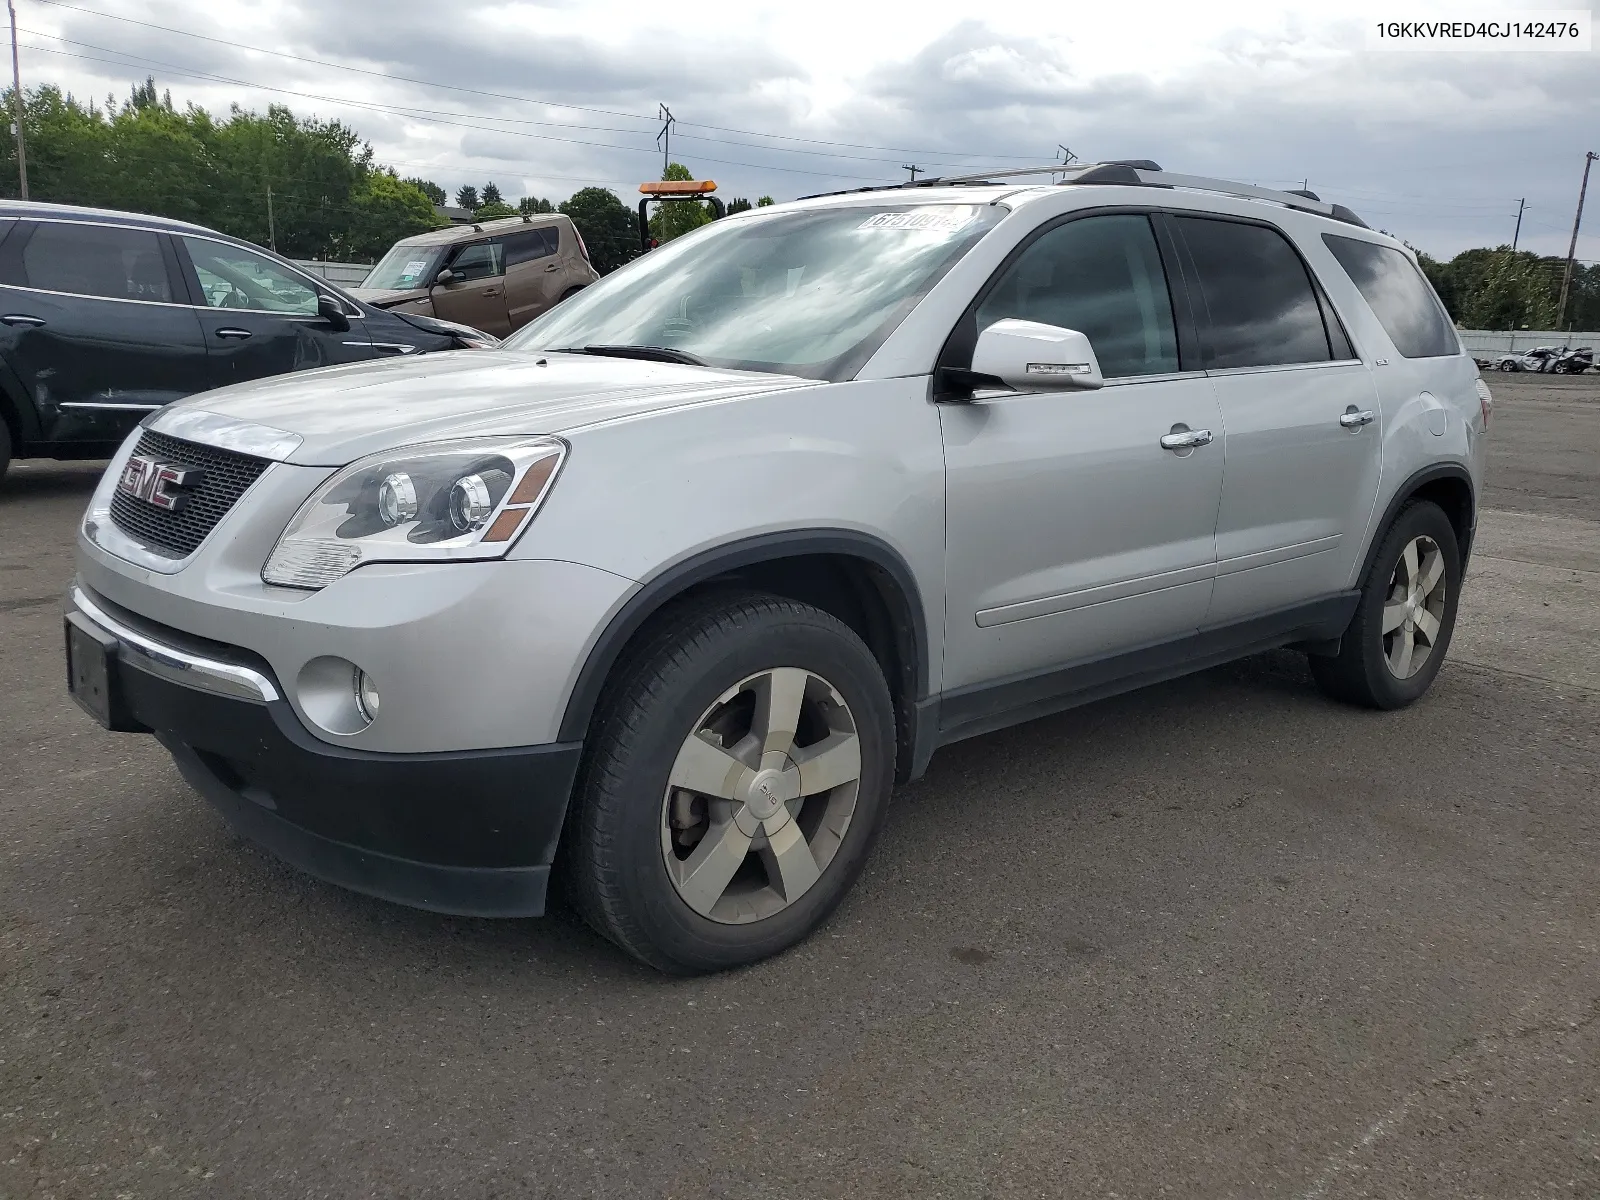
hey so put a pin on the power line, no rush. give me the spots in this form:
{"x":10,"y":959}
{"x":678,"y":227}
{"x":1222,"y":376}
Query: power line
{"x":423,"y":115}
{"x":504,"y":95}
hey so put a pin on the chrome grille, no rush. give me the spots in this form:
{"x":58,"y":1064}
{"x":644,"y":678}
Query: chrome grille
{"x":178,"y":534}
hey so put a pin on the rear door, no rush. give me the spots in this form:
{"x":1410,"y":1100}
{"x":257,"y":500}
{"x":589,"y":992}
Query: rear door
{"x":94,"y":326}
{"x":1303,"y":437}
{"x":260,"y":318}
{"x":476,"y":293}
{"x":535,"y":274}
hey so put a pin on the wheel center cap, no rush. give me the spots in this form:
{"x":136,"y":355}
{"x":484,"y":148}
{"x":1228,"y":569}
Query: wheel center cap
{"x":766,"y":795}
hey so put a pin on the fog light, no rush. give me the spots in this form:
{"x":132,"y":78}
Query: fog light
{"x":366,"y":695}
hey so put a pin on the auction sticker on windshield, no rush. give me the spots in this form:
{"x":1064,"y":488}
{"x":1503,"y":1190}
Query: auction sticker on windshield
{"x":413,"y":269}
{"x":940,"y":217}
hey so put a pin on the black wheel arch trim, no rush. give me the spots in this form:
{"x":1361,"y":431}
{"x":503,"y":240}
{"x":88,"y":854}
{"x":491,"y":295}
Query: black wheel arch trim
{"x":1405,"y":493}
{"x":663,"y":587}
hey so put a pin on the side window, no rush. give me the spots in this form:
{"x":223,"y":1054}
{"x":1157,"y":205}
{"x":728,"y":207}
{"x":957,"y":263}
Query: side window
{"x":1399,"y":296}
{"x":1101,"y":276}
{"x":96,"y":260}
{"x":535,"y":243}
{"x":234,"y":278}
{"x":1262,"y":306}
{"x":479,"y":260}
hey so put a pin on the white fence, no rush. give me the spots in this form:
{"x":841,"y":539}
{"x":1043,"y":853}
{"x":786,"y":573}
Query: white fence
{"x":1482,"y":342}
{"x":344,"y":274}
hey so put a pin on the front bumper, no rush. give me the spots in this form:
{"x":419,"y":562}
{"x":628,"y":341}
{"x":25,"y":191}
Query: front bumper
{"x":470,"y":832}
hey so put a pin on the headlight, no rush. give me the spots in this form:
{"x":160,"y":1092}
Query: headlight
{"x":444,"y":502}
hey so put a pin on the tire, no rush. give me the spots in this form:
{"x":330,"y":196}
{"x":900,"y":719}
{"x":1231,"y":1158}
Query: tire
{"x":1507,"y":366}
{"x":568,"y":294}
{"x":1372,"y":667}
{"x":638,"y":850}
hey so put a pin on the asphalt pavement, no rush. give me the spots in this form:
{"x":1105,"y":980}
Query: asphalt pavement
{"x":1222,"y":937}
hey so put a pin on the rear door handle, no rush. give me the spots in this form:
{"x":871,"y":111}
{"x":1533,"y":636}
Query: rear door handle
{"x":231,"y":332}
{"x":21,"y":319}
{"x":555,"y":266}
{"x":1354,"y":419}
{"x":1185,"y":439}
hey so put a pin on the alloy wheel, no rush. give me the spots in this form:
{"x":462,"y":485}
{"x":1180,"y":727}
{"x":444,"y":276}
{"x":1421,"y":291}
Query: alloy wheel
{"x":760,"y":795}
{"x":1414,"y":608}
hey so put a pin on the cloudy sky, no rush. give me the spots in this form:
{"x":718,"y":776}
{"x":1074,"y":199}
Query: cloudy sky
{"x":790,"y":97}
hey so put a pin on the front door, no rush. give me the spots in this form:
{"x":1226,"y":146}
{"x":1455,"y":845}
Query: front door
{"x":260,"y":318}
{"x":1304,"y":445}
{"x":1072,"y":535}
{"x":476,"y":292}
{"x":93,"y":329}
{"x":535,"y":274}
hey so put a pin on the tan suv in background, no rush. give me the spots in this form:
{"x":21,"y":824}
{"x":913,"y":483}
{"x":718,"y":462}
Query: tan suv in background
{"x":495,"y":276}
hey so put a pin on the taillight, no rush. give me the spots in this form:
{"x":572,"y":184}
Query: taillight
{"x":581,"y":245}
{"x":1485,"y":403}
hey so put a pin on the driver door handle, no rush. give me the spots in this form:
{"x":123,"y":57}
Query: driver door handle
{"x":230,"y":331}
{"x":21,"y":319}
{"x":491,"y":291}
{"x":1186,"y":439}
{"x":1355,"y":420}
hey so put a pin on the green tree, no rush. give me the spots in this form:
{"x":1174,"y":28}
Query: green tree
{"x":609,"y":227}
{"x":493,"y":212}
{"x":491,"y":194}
{"x":674,"y":218}
{"x":529,"y":205}
{"x":738,"y":206}
{"x":430,"y":189}
{"x":764,"y":202}
{"x":386,"y":209}
{"x":467,"y":197}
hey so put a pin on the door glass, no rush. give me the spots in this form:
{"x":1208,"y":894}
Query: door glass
{"x":480,"y":260}
{"x":96,"y":260}
{"x":1400,"y":297}
{"x":1259,"y":296}
{"x":235,"y":278}
{"x":1101,"y":276}
{"x":535,"y":243}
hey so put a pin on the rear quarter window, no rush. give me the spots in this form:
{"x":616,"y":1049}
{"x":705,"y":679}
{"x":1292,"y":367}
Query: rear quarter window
{"x":1398,"y":295}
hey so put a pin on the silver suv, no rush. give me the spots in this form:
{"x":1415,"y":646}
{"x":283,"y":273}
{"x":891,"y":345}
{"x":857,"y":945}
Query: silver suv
{"x":664,"y":596}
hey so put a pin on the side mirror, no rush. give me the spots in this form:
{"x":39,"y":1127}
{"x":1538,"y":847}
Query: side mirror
{"x":1031,"y":356}
{"x":332,"y":311}
{"x":444,"y":277}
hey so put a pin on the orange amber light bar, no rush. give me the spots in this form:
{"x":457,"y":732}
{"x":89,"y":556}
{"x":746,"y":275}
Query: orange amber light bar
{"x":678,"y":187}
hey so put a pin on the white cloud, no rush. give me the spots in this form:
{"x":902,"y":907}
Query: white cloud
{"x":1436,"y":148}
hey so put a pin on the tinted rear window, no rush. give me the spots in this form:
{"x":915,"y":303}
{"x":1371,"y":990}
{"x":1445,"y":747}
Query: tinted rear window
{"x":535,"y":243}
{"x":1399,"y":296}
{"x":96,"y":260}
{"x":1257,"y":293}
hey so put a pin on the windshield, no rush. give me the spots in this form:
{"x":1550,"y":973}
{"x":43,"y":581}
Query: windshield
{"x":802,"y":293}
{"x":405,"y":268}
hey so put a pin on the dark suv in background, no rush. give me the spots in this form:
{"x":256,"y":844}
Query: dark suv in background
{"x":107,"y":316}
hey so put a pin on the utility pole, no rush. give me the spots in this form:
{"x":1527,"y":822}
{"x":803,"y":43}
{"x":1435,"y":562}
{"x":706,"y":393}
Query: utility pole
{"x":664,"y":138}
{"x":272,"y":230}
{"x":1572,"y":246}
{"x":1521,"y":204}
{"x":913,"y":168}
{"x":16,"y":99}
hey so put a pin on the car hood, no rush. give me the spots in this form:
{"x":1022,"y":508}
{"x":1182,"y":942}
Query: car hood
{"x":387,"y":297}
{"x":332,"y":416}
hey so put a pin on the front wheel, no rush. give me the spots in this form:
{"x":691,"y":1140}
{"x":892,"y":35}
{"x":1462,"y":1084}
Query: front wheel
{"x":1508,"y":366}
{"x":1397,"y":639}
{"x":736,"y":778}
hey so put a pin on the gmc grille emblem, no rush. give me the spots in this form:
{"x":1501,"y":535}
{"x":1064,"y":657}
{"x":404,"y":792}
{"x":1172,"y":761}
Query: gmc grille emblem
{"x":163,"y":484}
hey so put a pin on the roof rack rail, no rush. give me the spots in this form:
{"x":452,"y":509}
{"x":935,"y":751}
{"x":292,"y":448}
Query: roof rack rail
{"x":1134,"y":172}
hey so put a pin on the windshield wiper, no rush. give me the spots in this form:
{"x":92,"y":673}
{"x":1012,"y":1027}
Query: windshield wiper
{"x":648,"y":353}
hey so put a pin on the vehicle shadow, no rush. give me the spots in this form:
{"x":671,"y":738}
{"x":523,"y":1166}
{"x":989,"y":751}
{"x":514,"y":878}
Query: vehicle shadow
{"x":45,"y":479}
